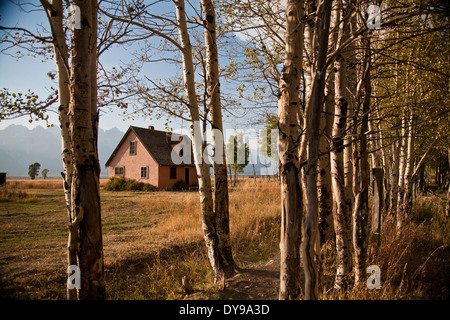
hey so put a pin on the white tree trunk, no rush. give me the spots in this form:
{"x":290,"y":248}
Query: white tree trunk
{"x":85,"y":197}
{"x":401,"y":175}
{"x":409,"y":181}
{"x":309,"y":58}
{"x":77,"y":93}
{"x":311,"y":223}
{"x":198,"y":146}
{"x":220,"y":166}
{"x":341,"y":215}
{"x":61,"y":56}
{"x":394,"y":172}
{"x":291,"y":195}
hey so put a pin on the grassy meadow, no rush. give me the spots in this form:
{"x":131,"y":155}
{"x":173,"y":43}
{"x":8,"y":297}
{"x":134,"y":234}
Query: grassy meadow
{"x":152,"y":239}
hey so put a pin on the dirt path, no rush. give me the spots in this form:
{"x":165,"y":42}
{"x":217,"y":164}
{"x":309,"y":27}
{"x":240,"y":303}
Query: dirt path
{"x":261,"y":283}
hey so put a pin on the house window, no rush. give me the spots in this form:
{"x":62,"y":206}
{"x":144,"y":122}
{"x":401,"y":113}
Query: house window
{"x":173,"y":173}
{"x":119,"y":171}
{"x":144,"y":172}
{"x":132,"y":147}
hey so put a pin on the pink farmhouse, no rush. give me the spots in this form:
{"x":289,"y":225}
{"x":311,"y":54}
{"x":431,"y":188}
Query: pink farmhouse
{"x":146,"y":155}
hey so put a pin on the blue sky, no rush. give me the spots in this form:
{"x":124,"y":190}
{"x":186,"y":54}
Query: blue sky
{"x":29,"y":73}
{"x":20,"y":75}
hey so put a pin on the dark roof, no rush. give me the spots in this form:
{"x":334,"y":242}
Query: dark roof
{"x":157,"y":143}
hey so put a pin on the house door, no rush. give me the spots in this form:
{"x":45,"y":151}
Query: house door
{"x":186,"y":175}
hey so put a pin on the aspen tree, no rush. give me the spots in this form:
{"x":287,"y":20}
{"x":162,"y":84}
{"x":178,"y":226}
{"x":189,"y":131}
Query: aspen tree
{"x":310,"y":43}
{"x":215,"y":112}
{"x":85,"y":192}
{"x":77,"y":91}
{"x":401,"y":175}
{"x":198,"y":145}
{"x":310,"y":229}
{"x":289,"y":136}
{"x":394,"y":170}
{"x":361,"y":174}
{"x":341,"y":214}
{"x":407,"y":200}
{"x":326,"y":225}
{"x":61,"y":56}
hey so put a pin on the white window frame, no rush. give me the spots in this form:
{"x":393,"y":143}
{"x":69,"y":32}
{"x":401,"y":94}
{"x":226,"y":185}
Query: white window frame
{"x":146,"y":172}
{"x":133,"y":150}
{"x":119,"y":169}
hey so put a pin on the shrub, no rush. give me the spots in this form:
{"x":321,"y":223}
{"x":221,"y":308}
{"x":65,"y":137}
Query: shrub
{"x":179,"y":186}
{"x":120,"y":184}
{"x":134,"y":185}
{"x":148,"y":187}
{"x":115,"y":184}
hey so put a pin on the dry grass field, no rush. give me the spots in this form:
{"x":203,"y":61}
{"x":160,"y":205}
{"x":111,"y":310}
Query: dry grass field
{"x":153,"y":239}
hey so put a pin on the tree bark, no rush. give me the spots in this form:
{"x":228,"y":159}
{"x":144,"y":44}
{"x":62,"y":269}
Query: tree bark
{"x":326,"y":225}
{"x":309,"y":37}
{"x":447,"y":213}
{"x":407,"y":200}
{"x":394,"y":177}
{"x":377,"y":201}
{"x":351,"y":65}
{"x":385,"y":156}
{"x":311,"y":233}
{"x":220,"y":166}
{"x":291,"y":194}
{"x":401,"y":175}
{"x":198,"y":146}
{"x":361,"y":176}
{"x":54,"y":13}
{"x":85,"y":229}
{"x":341,"y":215}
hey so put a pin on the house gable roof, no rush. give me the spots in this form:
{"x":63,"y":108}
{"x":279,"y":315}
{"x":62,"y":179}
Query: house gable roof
{"x":157,"y":143}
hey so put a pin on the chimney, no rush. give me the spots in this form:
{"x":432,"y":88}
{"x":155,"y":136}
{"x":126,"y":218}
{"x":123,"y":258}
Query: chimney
{"x":151,"y":128}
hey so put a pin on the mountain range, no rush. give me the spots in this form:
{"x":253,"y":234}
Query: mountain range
{"x":20,"y":147}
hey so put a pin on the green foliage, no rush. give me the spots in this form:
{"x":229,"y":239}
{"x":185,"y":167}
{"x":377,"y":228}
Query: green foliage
{"x":115,"y":184}
{"x":120,"y":184}
{"x":33,"y":170}
{"x":271,"y":123}
{"x":131,"y":185}
{"x":44,"y":173}
{"x":237,"y":153}
{"x":13,"y":105}
{"x":410,"y":74}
